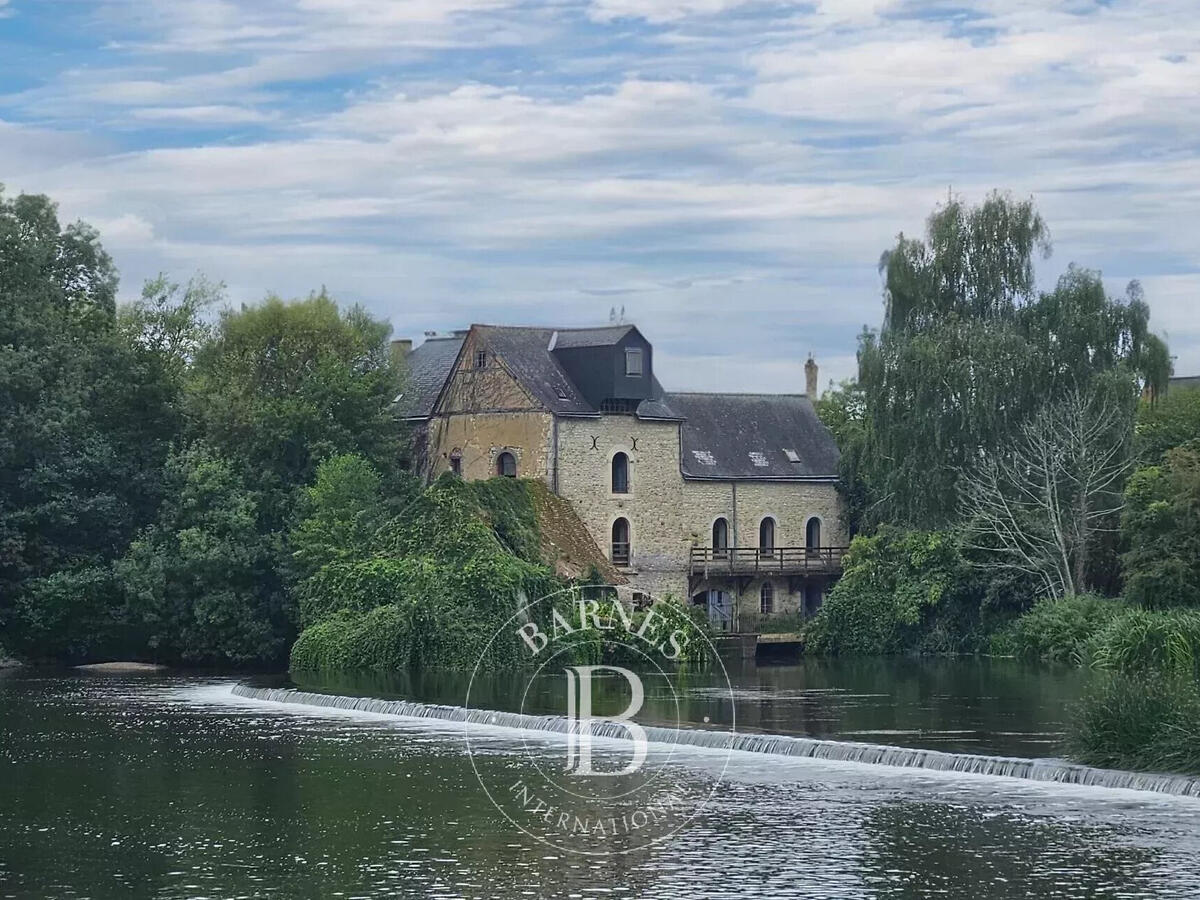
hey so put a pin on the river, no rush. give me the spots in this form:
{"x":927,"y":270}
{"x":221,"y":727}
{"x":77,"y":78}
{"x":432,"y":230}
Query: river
{"x":172,"y":786}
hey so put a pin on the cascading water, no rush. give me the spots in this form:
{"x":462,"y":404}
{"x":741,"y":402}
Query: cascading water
{"x":783,"y":745}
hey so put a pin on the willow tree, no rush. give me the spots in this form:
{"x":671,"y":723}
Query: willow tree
{"x":969,"y":351}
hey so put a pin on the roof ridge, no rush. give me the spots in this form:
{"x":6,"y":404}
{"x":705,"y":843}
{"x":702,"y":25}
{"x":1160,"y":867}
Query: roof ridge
{"x":552,"y":327}
{"x":731,"y":394}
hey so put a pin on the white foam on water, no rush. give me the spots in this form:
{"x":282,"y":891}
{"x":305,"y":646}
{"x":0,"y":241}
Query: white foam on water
{"x":1048,"y":771}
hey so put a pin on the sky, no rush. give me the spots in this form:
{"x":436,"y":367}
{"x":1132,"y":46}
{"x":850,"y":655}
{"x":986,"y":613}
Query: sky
{"x":727,"y":172}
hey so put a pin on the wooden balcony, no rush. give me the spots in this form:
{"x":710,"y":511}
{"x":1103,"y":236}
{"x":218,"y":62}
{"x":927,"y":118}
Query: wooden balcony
{"x":707,"y":561}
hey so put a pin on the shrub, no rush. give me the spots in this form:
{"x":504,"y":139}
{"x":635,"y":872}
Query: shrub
{"x":1161,"y":524}
{"x":890,"y":592}
{"x":379,"y":639}
{"x":1063,"y":629}
{"x":1141,"y":640}
{"x":1141,"y":722}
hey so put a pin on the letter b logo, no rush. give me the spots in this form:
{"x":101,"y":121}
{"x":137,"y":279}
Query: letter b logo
{"x":581,"y":721}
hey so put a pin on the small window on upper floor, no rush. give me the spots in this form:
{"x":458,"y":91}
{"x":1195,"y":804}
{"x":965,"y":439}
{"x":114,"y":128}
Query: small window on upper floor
{"x":481,"y":359}
{"x":620,"y":474}
{"x":633,"y":361}
{"x":506,"y":465}
{"x":456,"y":461}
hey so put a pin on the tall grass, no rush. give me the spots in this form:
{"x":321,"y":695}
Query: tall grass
{"x":1062,"y":630}
{"x":1141,"y":640}
{"x":1144,"y":721}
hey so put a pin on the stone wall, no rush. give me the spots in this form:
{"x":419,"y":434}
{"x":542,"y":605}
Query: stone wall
{"x":668,"y":516}
{"x":483,"y":413}
{"x":481,"y":437}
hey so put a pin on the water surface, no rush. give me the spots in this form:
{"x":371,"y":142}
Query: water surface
{"x":172,"y":787}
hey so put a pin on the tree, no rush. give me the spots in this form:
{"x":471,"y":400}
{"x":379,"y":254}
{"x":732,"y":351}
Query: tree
{"x":1036,"y":507}
{"x":1161,"y":526}
{"x":282,"y":386}
{"x":1166,"y":422}
{"x":968,"y":352}
{"x":201,"y":582}
{"x":340,"y":515}
{"x":86,"y":421}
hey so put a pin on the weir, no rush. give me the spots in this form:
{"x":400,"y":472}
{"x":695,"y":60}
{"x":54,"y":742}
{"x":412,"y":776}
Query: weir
{"x":1046,"y":770}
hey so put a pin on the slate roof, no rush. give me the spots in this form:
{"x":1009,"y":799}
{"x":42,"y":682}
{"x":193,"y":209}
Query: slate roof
{"x":591,"y":337}
{"x":1183,"y":383}
{"x":526,"y":352}
{"x":731,"y":436}
{"x":723,"y":436}
{"x":428,"y":367}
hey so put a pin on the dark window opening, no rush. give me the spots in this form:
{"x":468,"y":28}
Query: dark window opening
{"x":456,"y":462}
{"x":813,"y":598}
{"x":766,"y":598}
{"x":480,"y":359}
{"x":620,"y":542}
{"x":620,"y":474}
{"x":633,"y":361}
{"x":616,"y":405}
{"x":766,"y":537}
{"x":812,"y":534}
{"x":506,"y":465}
{"x":720,"y":537}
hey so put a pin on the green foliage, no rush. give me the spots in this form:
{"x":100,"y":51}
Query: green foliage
{"x":87,"y":416}
{"x":843,"y":411}
{"x":339,"y":515}
{"x":1063,"y":629}
{"x":967,"y":353}
{"x":445,"y":565}
{"x":1161,"y":525}
{"x":377,"y":639}
{"x":1166,"y":422}
{"x":201,"y":582}
{"x":1142,"y":721}
{"x":509,"y":510}
{"x":893,"y":586}
{"x":282,"y":386}
{"x":1144,"y":640}
{"x":667,"y":617}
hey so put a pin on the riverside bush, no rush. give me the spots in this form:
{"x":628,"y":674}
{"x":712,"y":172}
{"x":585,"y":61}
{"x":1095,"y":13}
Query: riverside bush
{"x":1062,"y":629}
{"x":1142,"y":721}
{"x":1145,"y":640}
{"x":895,"y":588}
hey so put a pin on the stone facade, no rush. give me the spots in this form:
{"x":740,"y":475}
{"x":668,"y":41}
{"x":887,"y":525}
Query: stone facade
{"x":669,"y":515}
{"x":526,"y":406}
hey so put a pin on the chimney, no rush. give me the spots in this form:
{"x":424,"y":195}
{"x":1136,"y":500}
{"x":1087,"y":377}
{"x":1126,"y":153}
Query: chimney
{"x":401,"y":349}
{"x":810,"y":378}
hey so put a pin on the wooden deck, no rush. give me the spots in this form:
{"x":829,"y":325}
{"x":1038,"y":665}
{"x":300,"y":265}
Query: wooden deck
{"x":708,"y":561}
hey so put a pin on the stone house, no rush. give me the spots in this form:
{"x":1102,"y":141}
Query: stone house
{"x":723,"y":500}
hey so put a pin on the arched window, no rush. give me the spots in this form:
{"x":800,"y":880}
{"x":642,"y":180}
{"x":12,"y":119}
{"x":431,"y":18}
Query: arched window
{"x":620,"y":474}
{"x":812,"y":534}
{"x":766,"y":598}
{"x":456,"y":461}
{"x":766,"y":537}
{"x":620,"y":542}
{"x":506,"y":465}
{"x":720,"y":537}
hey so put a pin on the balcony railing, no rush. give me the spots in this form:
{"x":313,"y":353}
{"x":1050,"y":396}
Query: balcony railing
{"x":780,"y":560}
{"x":620,"y":553}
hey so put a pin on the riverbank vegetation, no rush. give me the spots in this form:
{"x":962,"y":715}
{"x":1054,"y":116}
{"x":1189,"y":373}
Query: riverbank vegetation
{"x":1018,"y":482}
{"x":187,"y":481}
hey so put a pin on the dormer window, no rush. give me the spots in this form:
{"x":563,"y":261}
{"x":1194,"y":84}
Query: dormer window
{"x":633,"y":361}
{"x":481,"y":359}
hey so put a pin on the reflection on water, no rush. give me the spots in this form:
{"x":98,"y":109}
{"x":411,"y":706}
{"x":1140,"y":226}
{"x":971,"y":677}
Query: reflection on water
{"x":1001,"y":707}
{"x":165,"y":787}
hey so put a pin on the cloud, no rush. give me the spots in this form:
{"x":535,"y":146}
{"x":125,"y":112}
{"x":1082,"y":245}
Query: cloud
{"x":727,"y":170}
